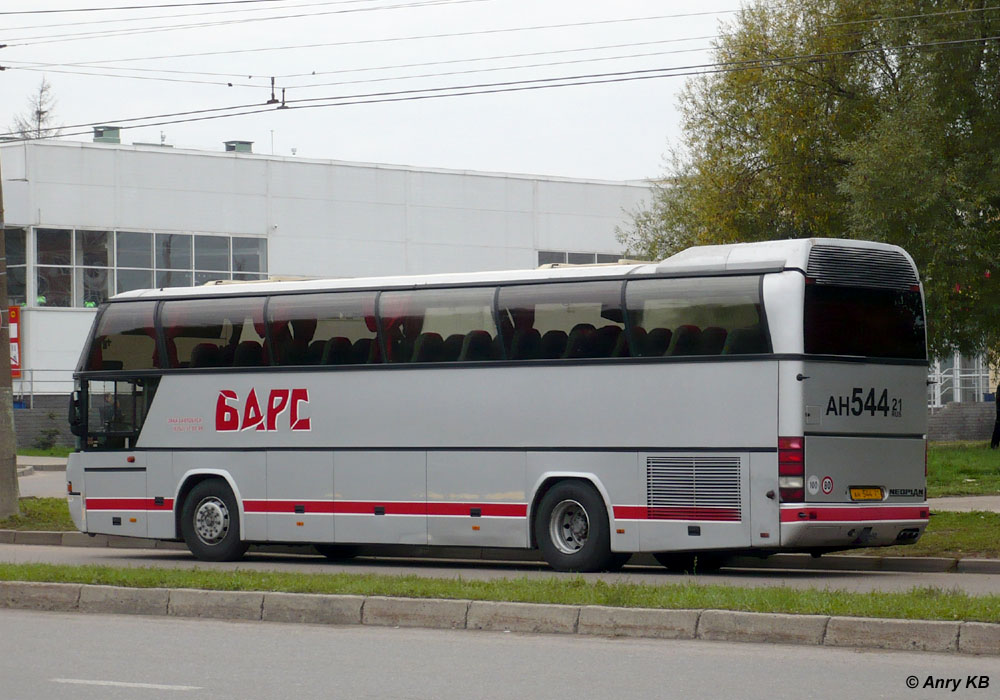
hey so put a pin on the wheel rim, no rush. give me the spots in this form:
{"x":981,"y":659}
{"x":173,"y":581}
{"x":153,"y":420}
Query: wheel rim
{"x":569,"y":526}
{"x":211,"y":520}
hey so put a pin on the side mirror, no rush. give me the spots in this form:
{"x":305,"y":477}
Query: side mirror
{"x":77,"y":424}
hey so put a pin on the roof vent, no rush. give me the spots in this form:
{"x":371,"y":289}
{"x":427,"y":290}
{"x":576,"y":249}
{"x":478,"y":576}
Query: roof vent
{"x":107,"y":134}
{"x":239,"y":146}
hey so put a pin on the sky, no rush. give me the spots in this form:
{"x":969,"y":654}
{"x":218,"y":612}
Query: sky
{"x":107,"y":67}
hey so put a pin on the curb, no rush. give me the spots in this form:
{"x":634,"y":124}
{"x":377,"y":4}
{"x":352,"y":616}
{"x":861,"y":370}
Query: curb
{"x":25,"y":471}
{"x":831,"y":562}
{"x":588,"y":620}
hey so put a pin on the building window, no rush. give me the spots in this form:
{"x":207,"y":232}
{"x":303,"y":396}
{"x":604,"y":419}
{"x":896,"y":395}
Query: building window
{"x":84,"y":268}
{"x":211,"y":253}
{"x":14,"y":239}
{"x":53,"y":274}
{"x":249,"y":255}
{"x":555,"y":257}
{"x":173,"y":252}
{"x":94,"y":274}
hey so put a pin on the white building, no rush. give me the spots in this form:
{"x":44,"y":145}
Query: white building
{"x":87,"y":220}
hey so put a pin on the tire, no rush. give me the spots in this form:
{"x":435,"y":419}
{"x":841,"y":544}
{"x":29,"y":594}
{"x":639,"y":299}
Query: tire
{"x":690,"y":562}
{"x":572,"y":529}
{"x":210,"y":522}
{"x":337,"y":552}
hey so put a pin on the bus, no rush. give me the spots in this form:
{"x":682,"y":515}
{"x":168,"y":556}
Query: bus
{"x":748,"y":398}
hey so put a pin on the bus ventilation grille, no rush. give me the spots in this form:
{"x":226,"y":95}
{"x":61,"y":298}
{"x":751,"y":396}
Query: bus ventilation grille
{"x":693,"y":488}
{"x":860,"y":267}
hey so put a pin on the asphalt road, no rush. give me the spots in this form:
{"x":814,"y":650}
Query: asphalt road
{"x":106,"y":657}
{"x":975,"y":584}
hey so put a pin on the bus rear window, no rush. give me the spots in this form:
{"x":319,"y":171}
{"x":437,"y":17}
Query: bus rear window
{"x":864,"y":322}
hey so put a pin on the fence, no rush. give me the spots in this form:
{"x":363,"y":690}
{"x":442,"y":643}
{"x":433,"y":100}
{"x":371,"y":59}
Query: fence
{"x":36,"y":383}
{"x":960,"y":384}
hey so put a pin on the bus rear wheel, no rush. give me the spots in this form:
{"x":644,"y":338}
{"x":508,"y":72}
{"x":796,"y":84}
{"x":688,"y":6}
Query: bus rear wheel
{"x":572,"y":529}
{"x":210,"y":522}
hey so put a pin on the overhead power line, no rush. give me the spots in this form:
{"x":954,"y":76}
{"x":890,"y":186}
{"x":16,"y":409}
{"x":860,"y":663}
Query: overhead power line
{"x":358,"y":42}
{"x":510,"y":86}
{"x":157,"y":6}
{"x":146,"y":18}
{"x":109,"y":33}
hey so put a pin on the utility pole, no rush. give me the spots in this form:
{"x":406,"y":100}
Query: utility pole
{"x":8,"y":444}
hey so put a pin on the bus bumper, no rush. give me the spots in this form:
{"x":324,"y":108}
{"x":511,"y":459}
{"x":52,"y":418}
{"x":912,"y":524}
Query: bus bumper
{"x":852,"y":526}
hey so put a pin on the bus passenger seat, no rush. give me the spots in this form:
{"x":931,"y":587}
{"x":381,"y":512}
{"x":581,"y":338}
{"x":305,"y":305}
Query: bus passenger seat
{"x":606,"y":340}
{"x":205,"y":355}
{"x":336,"y":351}
{"x":686,"y":341}
{"x":477,"y":347}
{"x":637,"y":342}
{"x":363,"y":351}
{"x":581,"y":342}
{"x":713,"y":339}
{"x":553,"y":345}
{"x":657,"y":342}
{"x":429,"y":347}
{"x":526,"y":345}
{"x":452,"y":347}
{"x":248,"y":354}
{"x":314,"y":354}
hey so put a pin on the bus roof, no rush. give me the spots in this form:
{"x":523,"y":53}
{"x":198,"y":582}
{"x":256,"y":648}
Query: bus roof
{"x":766,"y":256}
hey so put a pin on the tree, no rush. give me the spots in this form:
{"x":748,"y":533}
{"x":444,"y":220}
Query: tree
{"x":37,"y":121}
{"x":8,"y":459}
{"x":869,"y":119}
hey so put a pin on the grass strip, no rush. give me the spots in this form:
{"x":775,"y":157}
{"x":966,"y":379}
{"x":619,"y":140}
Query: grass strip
{"x":951,"y":534}
{"x":916,"y":604}
{"x":962,"y":469}
{"x":56,"y":451}
{"x":50,"y":514}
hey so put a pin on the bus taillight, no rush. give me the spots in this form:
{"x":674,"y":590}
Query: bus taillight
{"x":791,"y":469}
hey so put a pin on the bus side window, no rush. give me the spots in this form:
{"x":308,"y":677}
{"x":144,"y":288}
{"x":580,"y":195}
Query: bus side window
{"x":576,"y":320}
{"x":329,"y":328}
{"x":440,"y":325}
{"x":696,"y":316}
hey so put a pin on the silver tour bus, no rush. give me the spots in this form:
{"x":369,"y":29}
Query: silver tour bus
{"x":750,"y":398}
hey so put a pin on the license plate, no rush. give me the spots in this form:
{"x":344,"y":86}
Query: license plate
{"x":866,"y":494}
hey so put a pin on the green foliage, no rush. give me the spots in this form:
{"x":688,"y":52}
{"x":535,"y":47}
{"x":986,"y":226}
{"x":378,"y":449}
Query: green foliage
{"x":885,"y":126}
{"x":46,"y":439}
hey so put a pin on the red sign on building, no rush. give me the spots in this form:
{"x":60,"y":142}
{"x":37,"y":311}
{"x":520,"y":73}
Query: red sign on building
{"x":14,"y":314}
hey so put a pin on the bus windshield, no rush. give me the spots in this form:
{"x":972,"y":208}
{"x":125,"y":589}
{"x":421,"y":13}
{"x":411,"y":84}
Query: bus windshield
{"x":864,"y":321}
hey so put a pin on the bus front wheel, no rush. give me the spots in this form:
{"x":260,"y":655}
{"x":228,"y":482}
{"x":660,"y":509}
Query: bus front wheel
{"x":210,"y":522}
{"x":572,"y":529}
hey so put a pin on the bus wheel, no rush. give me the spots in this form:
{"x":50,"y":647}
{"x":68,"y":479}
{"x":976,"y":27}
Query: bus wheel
{"x":210,"y":522}
{"x":337,"y":552}
{"x":572,"y":530}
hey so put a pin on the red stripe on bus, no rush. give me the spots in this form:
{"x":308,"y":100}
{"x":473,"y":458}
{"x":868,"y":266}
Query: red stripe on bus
{"x":129,"y":504}
{"x":852,"y":514}
{"x":677,"y":513}
{"x":500,"y":510}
